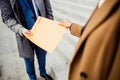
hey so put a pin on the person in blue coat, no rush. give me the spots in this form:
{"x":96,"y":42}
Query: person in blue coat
{"x":19,"y":16}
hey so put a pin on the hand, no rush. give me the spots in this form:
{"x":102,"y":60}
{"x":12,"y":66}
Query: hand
{"x":28,"y":32}
{"x":66,"y":23}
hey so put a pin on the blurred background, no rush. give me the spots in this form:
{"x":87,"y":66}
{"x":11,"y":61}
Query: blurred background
{"x":12,"y":66}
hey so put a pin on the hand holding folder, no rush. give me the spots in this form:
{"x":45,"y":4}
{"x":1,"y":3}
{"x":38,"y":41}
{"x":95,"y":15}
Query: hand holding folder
{"x":46,"y":33}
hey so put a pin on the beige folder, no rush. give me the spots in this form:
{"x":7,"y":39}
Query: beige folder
{"x":46,"y":34}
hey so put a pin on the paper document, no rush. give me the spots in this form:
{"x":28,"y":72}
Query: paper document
{"x":46,"y":33}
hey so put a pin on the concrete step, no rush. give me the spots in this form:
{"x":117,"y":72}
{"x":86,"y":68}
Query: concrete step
{"x":58,"y":65}
{"x":89,"y":4}
{"x":60,"y":59}
{"x":75,"y":11}
{"x":68,"y":14}
{"x":64,"y":16}
{"x":68,"y":10}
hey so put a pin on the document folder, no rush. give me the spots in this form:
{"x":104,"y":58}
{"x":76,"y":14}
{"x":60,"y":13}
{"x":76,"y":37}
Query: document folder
{"x":46,"y":33}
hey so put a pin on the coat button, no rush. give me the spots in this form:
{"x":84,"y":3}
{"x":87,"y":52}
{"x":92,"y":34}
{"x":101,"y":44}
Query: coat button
{"x":83,"y":74}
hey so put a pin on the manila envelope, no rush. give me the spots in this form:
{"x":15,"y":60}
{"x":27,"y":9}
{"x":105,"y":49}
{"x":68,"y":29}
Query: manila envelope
{"x":46,"y":33}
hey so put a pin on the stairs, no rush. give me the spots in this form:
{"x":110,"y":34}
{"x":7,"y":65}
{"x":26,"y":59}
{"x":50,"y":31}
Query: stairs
{"x":77,"y":11}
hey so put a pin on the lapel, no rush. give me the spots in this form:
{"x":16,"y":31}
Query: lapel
{"x":41,"y":6}
{"x":97,"y":18}
{"x":12,"y":2}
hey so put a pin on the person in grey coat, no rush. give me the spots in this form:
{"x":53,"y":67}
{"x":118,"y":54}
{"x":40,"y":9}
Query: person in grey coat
{"x":19,"y":16}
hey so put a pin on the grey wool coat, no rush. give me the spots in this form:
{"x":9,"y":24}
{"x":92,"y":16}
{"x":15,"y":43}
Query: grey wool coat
{"x":11,"y":17}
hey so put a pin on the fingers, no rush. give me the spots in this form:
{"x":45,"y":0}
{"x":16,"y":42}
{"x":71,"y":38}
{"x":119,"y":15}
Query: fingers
{"x":28,"y":32}
{"x":62,"y":23}
{"x":65,"y":23}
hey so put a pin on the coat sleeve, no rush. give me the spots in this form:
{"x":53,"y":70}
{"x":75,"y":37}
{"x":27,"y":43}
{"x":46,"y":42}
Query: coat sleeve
{"x":49,"y":12}
{"x":76,"y":29}
{"x":8,"y":17}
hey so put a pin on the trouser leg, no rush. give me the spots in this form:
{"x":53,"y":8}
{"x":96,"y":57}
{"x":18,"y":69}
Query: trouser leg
{"x":30,"y":68}
{"x":41,"y":57}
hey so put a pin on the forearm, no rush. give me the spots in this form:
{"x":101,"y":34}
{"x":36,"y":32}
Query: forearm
{"x":14,"y":26}
{"x":8,"y":17}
